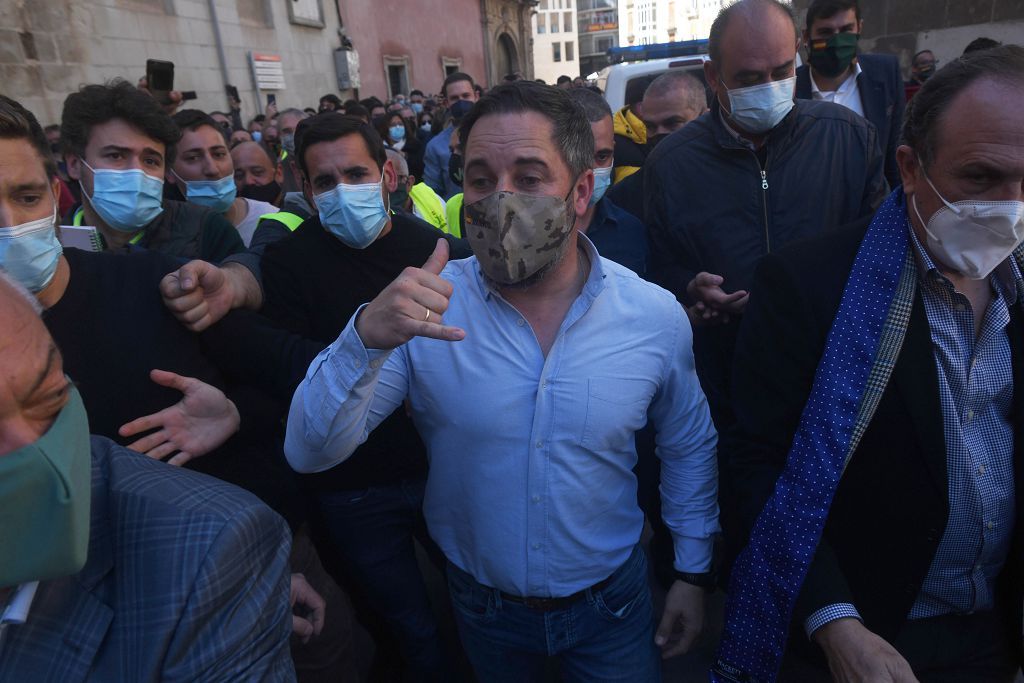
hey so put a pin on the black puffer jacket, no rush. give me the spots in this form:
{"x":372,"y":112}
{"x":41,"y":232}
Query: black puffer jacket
{"x":710,"y":204}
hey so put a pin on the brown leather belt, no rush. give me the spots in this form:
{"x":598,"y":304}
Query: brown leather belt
{"x":548,"y":604}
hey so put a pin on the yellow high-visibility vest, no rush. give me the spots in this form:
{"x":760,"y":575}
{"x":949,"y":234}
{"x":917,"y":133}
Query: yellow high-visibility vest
{"x":286,"y":218}
{"x":454,"y":210}
{"x":429,"y":205}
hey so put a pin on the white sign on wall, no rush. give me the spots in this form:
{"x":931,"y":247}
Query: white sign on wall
{"x":267,"y":71}
{"x":306,"y":12}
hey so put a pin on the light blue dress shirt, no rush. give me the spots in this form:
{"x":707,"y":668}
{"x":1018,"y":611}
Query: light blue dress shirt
{"x":531,"y":487}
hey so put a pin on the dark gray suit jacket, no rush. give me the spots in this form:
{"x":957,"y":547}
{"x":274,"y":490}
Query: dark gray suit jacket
{"x":186,"y":580}
{"x":882,"y":97}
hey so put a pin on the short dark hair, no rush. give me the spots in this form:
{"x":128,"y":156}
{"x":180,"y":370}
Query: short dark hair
{"x":721,"y":22}
{"x":571,"y":130}
{"x":455,"y":78}
{"x":192,"y":119}
{"x":18,"y":123}
{"x":979,"y":44}
{"x":52,"y":127}
{"x":357,"y":110}
{"x":563,"y":79}
{"x":919,"y":53}
{"x":416,"y":92}
{"x":332,"y":98}
{"x":927,"y":108}
{"x":96,"y":104}
{"x":636,"y":87}
{"x":329,"y":126}
{"x":826,"y":9}
{"x":594,"y":106}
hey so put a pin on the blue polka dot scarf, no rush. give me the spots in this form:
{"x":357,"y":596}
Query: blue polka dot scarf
{"x":859,"y":355}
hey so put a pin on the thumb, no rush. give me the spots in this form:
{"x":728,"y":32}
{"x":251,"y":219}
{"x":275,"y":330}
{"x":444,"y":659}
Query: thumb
{"x":169,"y":379}
{"x":189,"y":276}
{"x":301,"y":627}
{"x":668,"y":618}
{"x":439,"y":259}
{"x":709,"y":280}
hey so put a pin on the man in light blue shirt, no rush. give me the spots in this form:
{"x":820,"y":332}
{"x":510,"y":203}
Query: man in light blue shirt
{"x":458,"y":87}
{"x":528,"y":408}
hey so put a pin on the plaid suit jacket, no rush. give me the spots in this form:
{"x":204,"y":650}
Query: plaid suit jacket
{"x":186,"y":580}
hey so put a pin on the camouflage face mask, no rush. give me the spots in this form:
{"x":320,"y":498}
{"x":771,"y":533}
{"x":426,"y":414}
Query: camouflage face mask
{"x":516,"y":235}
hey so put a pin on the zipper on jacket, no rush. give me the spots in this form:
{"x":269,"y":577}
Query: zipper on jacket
{"x":764,"y":202}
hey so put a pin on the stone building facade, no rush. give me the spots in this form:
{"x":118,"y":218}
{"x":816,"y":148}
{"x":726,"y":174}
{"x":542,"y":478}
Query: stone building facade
{"x":508,"y":39}
{"x":903,"y":27}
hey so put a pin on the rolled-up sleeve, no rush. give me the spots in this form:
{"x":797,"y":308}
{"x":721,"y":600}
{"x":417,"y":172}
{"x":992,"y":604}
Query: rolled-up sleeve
{"x":686,"y":444}
{"x":348,"y":391}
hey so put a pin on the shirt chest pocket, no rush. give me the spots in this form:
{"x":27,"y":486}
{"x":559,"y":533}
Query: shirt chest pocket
{"x":616,"y":409}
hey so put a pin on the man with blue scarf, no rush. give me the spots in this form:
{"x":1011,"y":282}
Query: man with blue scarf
{"x":879,"y":412}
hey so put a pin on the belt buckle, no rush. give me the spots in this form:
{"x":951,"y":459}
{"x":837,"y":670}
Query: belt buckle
{"x":541,"y":604}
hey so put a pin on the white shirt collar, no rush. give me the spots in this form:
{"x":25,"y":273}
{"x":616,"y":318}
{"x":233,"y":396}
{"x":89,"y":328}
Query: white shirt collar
{"x":19,"y":603}
{"x":847,"y":85}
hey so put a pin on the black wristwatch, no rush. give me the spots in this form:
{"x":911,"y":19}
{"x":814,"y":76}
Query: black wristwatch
{"x":705,"y":580}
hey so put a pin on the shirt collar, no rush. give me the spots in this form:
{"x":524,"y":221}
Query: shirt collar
{"x":734,"y":133}
{"x":19,"y":603}
{"x":847,"y":85}
{"x":1007,"y":276}
{"x":591,"y":288}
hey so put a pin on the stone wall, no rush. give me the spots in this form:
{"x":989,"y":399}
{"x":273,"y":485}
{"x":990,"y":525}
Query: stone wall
{"x":903,"y":27}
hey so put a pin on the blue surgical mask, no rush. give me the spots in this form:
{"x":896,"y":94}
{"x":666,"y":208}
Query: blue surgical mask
{"x":417,"y":107}
{"x":256,"y":135}
{"x":602,"y":181}
{"x":427,"y":127}
{"x":355,"y":214}
{"x":126,"y":200}
{"x":213,"y":194}
{"x":397,"y":132}
{"x":30,"y":252}
{"x":759,"y":108}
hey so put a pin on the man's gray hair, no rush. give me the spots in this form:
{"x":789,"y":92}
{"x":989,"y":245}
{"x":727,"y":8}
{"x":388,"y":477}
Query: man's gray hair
{"x":594,"y":106}
{"x":398,"y":161}
{"x":1003,"y":64}
{"x":694,"y":95}
{"x":20,"y":290}
{"x":292,"y":111}
{"x":571,"y":134}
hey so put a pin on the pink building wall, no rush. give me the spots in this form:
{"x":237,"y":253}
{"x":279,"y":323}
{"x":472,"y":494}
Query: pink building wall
{"x":425,"y":31}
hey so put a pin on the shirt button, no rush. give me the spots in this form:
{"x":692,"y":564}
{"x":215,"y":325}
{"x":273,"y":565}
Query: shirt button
{"x":536,"y":546}
{"x":540,"y":444}
{"x":544,"y":384}
{"x":981,"y":469}
{"x":970,"y":414}
{"x":358,"y":362}
{"x":374,"y":364}
{"x":520,"y":322}
{"x":960,"y":307}
{"x":536,"y":499}
{"x":991,"y":525}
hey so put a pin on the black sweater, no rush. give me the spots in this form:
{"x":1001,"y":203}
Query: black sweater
{"x":313,"y":284}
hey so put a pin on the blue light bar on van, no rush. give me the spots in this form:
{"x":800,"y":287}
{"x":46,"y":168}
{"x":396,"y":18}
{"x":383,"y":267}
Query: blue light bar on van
{"x":640,"y":53}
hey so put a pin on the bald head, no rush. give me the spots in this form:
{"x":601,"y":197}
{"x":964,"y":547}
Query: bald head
{"x":253,"y":165}
{"x":752,"y":18}
{"x":32,"y":384}
{"x":674,"y":99}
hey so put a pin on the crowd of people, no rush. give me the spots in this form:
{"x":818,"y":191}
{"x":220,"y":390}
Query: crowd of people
{"x":250,"y":372}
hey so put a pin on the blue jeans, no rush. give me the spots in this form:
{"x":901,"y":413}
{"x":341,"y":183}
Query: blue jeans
{"x":605,"y":635}
{"x":373,"y":531}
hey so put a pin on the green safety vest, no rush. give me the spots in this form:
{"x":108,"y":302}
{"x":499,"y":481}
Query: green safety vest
{"x":286,"y":218}
{"x":429,"y":205}
{"x":78,"y":221}
{"x":454,"y":210}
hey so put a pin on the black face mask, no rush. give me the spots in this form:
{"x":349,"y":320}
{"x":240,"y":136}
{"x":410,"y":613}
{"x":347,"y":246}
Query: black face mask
{"x":655,"y":140}
{"x":262,"y":193}
{"x":832,"y":57}
{"x":925,"y":73}
{"x":455,"y":168}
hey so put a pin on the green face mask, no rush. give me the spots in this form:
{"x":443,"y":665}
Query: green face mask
{"x":45,"y":497}
{"x":833,"y":56}
{"x":399,"y":197}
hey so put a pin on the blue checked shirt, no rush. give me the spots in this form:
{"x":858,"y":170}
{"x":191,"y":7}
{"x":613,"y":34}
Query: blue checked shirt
{"x":976,"y":392}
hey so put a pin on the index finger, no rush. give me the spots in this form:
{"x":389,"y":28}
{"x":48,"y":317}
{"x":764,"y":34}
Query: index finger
{"x":438,"y":331}
{"x":439,"y":259}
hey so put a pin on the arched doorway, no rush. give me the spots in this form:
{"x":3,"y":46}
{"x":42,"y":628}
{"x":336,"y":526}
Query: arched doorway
{"x":507,"y":59}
